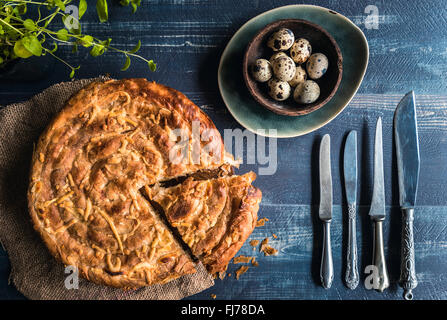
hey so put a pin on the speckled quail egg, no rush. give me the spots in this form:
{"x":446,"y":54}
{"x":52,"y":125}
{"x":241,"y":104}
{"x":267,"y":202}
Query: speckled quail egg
{"x":281,"y":40}
{"x":306,"y":92}
{"x":300,"y":76}
{"x":277,"y":55}
{"x":261,"y":70}
{"x":300,"y":50}
{"x":284,"y":68}
{"x":317,"y":65}
{"x":278,"y":90}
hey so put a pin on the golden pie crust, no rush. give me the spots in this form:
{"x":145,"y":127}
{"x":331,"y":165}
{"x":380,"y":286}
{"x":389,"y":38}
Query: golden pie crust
{"x":112,"y":140}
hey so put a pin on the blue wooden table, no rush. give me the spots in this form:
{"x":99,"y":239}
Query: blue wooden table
{"x":408,"y":51}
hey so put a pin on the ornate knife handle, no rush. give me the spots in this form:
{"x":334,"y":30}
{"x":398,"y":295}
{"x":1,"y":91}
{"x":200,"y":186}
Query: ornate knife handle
{"x":327,"y":269}
{"x":352,"y":274}
{"x":408,"y":279}
{"x":379,"y":257}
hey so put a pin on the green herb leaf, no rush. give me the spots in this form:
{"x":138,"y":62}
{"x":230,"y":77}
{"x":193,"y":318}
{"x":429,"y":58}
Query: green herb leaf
{"x":20,"y":50}
{"x":106,"y":43}
{"x":136,"y":48}
{"x":71,"y":24}
{"x":29,"y":24}
{"x":62,"y":34}
{"x":87,"y":41}
{"x":134,"y":4}
{"x":124,"y":3}
{"x":97,"y":50}
{"x":126,"y":64}
{"x":33,"y":45}
{"x":74,"y":48}
{"x":1,"y":60}
{"x":72,"y":73}
{"x":19,"y":10}
{"x":82,"y":7}
{"x":102,"y":10}
{"x":152,"y":65}
{"x":60,"y":4}
{"x":55,"y":48}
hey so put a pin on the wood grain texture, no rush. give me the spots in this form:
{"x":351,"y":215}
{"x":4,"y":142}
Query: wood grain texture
{"x":407,"y":52}
{"x":294,"y":272}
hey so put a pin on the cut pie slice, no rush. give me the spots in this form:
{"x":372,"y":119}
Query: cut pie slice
{"x":214,"y":216}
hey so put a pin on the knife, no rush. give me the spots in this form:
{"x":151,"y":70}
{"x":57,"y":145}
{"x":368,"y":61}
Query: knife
{"x":407,"y":152}
{"x":377,"y":212}
{"x":350,"y":174}
{"x":325,"y":213}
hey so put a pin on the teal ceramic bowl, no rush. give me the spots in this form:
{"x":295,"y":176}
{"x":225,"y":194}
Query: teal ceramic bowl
{"x":250,"y":114}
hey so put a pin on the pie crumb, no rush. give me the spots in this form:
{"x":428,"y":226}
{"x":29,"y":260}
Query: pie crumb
{"x":274,"y":236}
{"x":269,"y":251}
{"x":254,"y":243}
{"x":213,"y":296}
{"x":254,"y":263}
{"x":263,"y":244}
{"x":266,"y":249}
{"x":261,"y":222}
{"x":241,"y":271}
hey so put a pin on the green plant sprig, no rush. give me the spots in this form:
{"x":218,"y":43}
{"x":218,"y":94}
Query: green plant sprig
{"x":23,"y":37}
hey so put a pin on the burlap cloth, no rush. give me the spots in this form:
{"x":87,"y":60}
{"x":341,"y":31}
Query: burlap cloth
{"x":34,"y":272}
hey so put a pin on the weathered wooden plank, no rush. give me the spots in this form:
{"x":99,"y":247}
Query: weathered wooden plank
{"x":188,"y":39}
{"x":296,"y":178}
{"x":294,"y":272}
{"x":407,"y":51}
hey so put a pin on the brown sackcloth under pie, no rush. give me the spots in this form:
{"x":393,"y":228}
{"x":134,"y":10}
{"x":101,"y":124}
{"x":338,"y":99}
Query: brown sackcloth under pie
{"x":35,"y":272}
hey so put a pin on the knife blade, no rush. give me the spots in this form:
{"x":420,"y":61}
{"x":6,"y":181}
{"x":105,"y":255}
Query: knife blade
{"x":325,"y":179}
{"x":350,"y":167}
{"x":350,"y":181}
{"x":377,"y":212}
{"x":407,"y":150}
{"x":325,"y":211}
{"x":377,"y":209}
{"x":408,"y":163}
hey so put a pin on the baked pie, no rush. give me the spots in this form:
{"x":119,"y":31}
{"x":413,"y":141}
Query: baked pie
{"x":123,"y":166}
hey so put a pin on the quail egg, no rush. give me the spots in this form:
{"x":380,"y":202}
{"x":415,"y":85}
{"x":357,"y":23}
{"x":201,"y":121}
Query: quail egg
{"x":300,"y":76}
{"x":284,"y":68}
{"x":300,"y":50}
{"x":261,"y":70}
{"x":276,"y":56}
{"x":306,"y":92}
{"x":279,"y":90}
{"x":281,"y":40}
{"x":317,"y":65}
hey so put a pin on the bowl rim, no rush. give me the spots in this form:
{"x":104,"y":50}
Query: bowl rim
{"x":299,"y":112}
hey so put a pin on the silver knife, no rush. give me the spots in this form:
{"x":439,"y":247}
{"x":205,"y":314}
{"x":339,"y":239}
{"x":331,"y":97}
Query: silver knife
{"x":350,"y":174}
{"x":407,"y":151}
{"x":325,"y":213}
{"x":377,"y":212}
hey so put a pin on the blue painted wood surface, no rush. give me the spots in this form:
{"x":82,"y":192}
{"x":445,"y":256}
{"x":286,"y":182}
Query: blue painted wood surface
{"x":407,"y":52}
